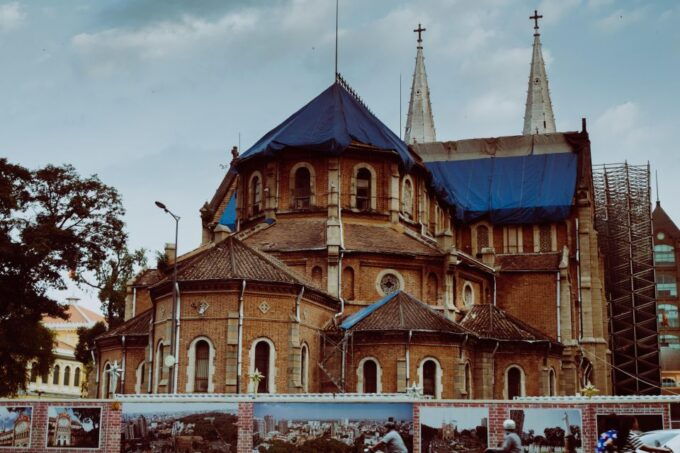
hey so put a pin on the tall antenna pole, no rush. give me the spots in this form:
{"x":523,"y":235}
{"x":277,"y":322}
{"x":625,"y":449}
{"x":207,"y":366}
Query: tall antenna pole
{"x":336,"y":40}
{"x":400,"y":106}
{"x":656,"y":176}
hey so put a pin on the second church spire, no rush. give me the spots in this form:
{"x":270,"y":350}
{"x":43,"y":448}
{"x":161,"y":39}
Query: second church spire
{"x":538,"y":116}
{"x":419,"y":123}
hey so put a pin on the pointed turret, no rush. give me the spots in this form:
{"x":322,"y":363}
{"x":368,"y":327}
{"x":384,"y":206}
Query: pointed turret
{"x":419,"y":123}
{"x":538,"y":116}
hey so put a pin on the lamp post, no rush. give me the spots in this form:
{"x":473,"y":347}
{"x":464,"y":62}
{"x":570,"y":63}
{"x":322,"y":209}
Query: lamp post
{"x":173,"y":339}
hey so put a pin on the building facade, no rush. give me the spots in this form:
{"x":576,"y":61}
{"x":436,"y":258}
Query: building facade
{"x":67,"y":377}
{"x":667,"y":270}
{"x":335,"y":257}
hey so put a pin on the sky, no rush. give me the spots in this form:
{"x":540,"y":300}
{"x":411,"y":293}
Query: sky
{"x":540,"y":419}
{"x":334,"y":411}
{"x":165,"y":407}
{"x":462,"y":417}
{"x":151,"y":95}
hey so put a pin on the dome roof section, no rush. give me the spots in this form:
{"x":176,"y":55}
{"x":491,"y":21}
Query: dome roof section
{"x":328,"y":125}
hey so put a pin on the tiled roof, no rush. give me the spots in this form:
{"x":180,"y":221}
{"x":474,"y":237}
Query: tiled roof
{"x":290,"y":234}
{"x":148,"y":277}
{"x":384,"y":239}
{"x":399,"y":311}
{"x":232,"y":259}
{"x":76,"y":315}
{"x":662,"y":221}
{"x":529,"y":262}
{"x":489,"y":321}
{"x":137,"y":326}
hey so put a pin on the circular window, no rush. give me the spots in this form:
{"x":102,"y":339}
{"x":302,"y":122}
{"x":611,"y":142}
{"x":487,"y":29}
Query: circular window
{"x":660,"y":236}
{"x":468,"y":296}
{"x":389,"y":283}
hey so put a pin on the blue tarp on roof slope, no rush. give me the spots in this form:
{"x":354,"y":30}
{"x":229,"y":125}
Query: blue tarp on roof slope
{"x":520,"y":189}
{"x":328,"y":124}
{"x":229,"y":215}
{"x":353,"y":319}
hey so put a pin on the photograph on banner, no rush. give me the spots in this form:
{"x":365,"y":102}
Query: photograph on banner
{"x":172,"y":426}
{"x":549,"y":430}
{"x":446,"y":429}
{"x":73,"y":427}
{"x":333,"y":427}
{"x":646,"y":422}
{"x":15,"y":427}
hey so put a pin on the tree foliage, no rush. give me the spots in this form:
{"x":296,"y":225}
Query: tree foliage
{"x":52,"y":221}
{"x":86,"y":338}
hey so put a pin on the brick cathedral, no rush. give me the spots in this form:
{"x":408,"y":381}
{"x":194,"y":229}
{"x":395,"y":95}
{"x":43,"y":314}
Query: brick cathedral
{"x":337,"y":257}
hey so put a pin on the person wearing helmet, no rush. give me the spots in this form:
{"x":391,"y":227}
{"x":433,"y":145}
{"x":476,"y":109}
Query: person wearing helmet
{"x":511,"y":443}
{"x":391,"y":442}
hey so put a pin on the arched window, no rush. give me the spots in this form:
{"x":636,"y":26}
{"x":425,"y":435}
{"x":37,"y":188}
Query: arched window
{"x":262,"y":362}
{"x":667,"y":315}
{"x":76,"y":378}
{"x":432,"y":288}
{"x":668,"y":382}
{"x":430,"y":378}
{"x":586,"y":372}
{"x":304,"y":360}
{"x":666,"y":285}
{"x":552,"y":383}
{"x":202,"y":361}
{"x":368,"y":376}
{"x":67,"y":375}
{"x":34,"y":373}
{"x":348,"y":283}
{"x":664,"y":254}
{"x":255,"y":194}
{"x":468,"y":381}
{"x":55,"y":375}
{"x":317,"y":275}
{"x":407,"y":198}
{"x":44,"y":377}
{"x":482,"y":237}
{"x":106,"y":379}
{"x":303,"y":191}
{"x":545,"y":238}
{"x":468,"y":295}
{"x":363,"y":202}
{"x":514,"y":382}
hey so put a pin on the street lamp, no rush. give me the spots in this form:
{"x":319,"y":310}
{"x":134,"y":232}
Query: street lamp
{"x":173,"y":339}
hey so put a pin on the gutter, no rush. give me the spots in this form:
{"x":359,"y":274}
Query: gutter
{"x":134,"y":301}
{"x":493,"y":367}
{"x":150,"y":364}
{"x":122,"y":375}
{"x":559,"y":308}
{"x":578,"y":282}
{"x":239,"y":357}
{"x":408,"y":359}
{"x":175,"y":374}
{"x":297,"y":303}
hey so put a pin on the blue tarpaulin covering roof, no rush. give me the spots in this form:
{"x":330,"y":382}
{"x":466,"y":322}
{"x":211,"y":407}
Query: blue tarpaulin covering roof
{"x":361,"y":314}
{"x":328,"y":124}
{"x":229,"y":215}
{"x":518,"y":189}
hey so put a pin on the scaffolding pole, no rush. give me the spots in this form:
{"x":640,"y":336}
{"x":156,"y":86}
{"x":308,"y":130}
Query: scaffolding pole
{"x":624,"y":225}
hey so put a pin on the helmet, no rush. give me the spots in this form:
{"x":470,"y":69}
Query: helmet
{"x":509,"y":425}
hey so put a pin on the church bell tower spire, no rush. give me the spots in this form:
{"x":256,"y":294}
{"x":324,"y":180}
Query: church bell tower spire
{"x":419,"y":123}
{"x":538,"y":116}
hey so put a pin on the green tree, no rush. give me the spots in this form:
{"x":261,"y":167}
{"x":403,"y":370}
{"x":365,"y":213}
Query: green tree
{"x":111,"y":280}
{"x":51,"y":221}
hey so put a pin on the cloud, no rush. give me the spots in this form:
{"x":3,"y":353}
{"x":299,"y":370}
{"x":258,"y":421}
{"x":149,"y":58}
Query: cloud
{"x":554,"y":10}
{"x":622,"y":131}
{"x":620,"y":19}
{"x":12,"y":16}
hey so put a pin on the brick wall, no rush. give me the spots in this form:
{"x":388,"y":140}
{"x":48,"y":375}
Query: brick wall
{"x":109,"y":438}
{"x":110,"y":428}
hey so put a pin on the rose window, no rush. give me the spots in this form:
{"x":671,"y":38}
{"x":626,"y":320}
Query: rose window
{"x":389,"y":283}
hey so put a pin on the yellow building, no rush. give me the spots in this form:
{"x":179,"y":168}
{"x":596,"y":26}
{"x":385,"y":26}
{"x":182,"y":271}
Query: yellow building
{"x":67,"y":376}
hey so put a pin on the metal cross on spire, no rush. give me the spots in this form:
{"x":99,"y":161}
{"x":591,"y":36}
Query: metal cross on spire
{"x":420,"y":31}
{"x":535,"y":18}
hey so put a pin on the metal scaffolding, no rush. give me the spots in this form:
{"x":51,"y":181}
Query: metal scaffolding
{"x":624,"y":224}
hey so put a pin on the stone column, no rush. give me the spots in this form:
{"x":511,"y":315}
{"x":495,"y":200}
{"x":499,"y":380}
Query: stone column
{"x":231,"y":351}
{"x":333,"y":227}
{"x":271,"y":188}
{"x":294,"y":358}
{"x":394,"y":196}
{"x":482,"y":376}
